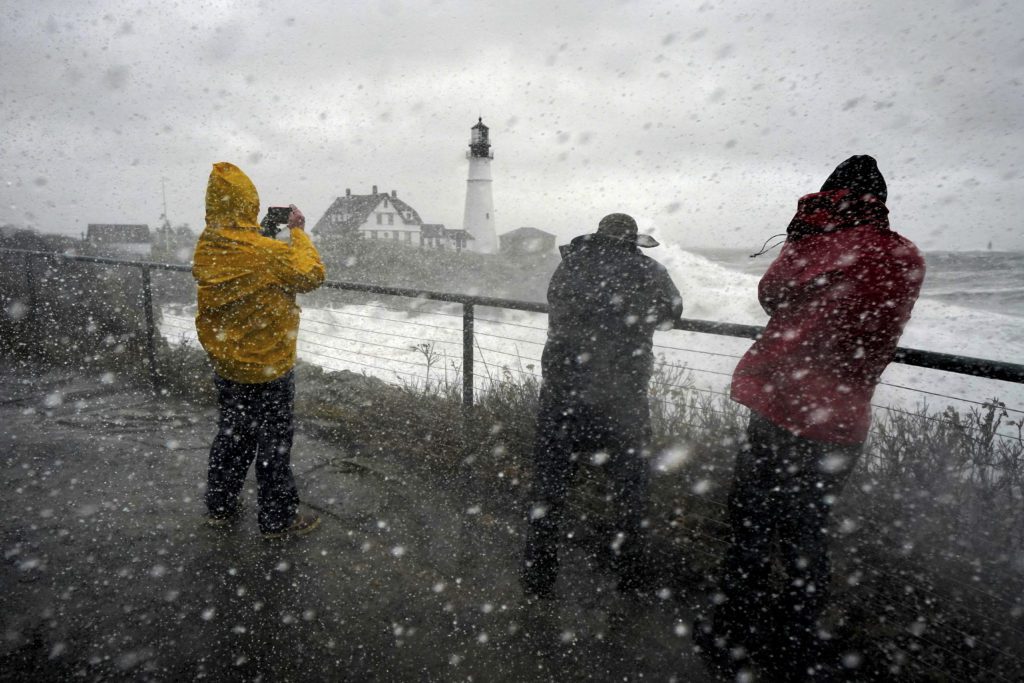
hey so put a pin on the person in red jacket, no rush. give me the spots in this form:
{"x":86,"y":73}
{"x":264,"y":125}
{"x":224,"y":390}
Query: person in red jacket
{"x":839,"y":295}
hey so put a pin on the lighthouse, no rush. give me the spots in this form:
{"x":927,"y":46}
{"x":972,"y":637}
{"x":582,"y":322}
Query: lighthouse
{"x":478,"y":220}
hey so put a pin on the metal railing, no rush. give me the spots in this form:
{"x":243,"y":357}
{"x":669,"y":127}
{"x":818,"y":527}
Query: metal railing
{"x":965,"y":365}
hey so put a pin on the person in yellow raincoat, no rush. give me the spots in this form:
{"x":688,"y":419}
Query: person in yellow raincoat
{"x":248,"y":323}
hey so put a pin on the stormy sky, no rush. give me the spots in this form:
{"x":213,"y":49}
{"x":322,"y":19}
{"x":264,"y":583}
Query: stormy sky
{"x":704,"y":120}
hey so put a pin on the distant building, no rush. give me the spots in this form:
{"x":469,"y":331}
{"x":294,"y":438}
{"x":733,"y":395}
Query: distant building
{"x":527,"y":241}
{"x":439,"y":237}
{"x":434,"y":235}
{"x":377,"y":215}
{"x":131,"y":238}
{"x":383,"y":216}
{"x":173,"y":243}
{"x":459,"y":239}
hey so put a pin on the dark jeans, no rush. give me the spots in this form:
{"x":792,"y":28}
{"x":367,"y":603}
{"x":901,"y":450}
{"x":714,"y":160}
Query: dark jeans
{"x":783,"y":491}
{"x":565,"y":432}
{"x":256,"y":422}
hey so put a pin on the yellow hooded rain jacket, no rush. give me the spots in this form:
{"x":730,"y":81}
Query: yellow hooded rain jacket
{"x":247,"y":318}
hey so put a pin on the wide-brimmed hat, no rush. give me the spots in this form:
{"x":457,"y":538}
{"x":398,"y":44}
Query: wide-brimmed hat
{"x":622,"y":227}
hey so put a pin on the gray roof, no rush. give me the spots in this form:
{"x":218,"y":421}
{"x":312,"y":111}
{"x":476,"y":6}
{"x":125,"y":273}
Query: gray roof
{"x":526,"y":233}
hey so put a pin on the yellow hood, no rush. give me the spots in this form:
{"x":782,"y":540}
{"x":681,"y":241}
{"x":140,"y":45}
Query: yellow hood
{"x":231,"y":199}
{"x":247,"y":319}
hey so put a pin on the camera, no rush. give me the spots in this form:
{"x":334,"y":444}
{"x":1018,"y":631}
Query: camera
{"x":275,"y":218}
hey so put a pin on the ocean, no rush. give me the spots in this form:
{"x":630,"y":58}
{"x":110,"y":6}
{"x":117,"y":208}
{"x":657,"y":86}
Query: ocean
{"x":983,"y":280}
{"x":972,"y":304}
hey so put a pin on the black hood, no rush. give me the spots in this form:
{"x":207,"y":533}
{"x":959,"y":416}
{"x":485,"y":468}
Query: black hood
{"x":860,"y":175}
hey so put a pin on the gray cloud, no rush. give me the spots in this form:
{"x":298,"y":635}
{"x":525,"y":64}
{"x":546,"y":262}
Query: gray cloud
{"x":706,"y":123}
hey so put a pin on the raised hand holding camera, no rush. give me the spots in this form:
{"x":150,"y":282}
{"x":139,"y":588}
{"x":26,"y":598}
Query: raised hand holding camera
{"x":295,"y":218}
{"x":275,"y":218}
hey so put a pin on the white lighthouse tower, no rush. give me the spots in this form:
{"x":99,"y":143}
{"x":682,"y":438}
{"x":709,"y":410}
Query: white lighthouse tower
{"x":478,"y":220}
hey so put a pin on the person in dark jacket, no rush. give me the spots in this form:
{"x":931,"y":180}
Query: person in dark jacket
{"x":605,"y":299}
{"x":839,"y":295}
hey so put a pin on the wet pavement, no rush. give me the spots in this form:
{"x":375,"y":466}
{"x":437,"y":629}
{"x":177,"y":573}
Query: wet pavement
{"x":110,"y":574}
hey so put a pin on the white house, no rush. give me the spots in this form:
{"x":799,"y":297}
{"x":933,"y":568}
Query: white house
{"x":377,"y":215}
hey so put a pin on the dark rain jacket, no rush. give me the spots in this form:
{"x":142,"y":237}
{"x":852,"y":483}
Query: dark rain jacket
{"x":839,"y":295}
{"x":606,"y":299}
{"x":247,"y":318}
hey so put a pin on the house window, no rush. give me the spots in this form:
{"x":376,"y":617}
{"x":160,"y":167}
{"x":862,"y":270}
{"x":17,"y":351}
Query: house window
{"x":385,"y":202}
{"x":391,"y":219}
{"x":373,"y":234}
{"x":380,"y":219}
{"x":488,"y":215}
{"x":408,"y":237}
{"x":395,"y":234}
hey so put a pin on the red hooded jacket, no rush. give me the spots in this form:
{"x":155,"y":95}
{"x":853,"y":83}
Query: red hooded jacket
{"x":839,"y":295}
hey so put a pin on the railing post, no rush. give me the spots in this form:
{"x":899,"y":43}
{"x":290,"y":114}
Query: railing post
{"x":147,"y":305}
{"x":30,"y":285}
{"x":467,"y":355}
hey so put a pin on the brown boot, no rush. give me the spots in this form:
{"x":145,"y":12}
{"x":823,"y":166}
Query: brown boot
{"x":303,"y":524}
{"x":224,"y":520}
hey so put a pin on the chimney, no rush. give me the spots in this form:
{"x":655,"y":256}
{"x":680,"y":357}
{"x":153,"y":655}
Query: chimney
{"x":374,"y":189}
{"x":348,"y":191}
{"x":394,"y":194}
